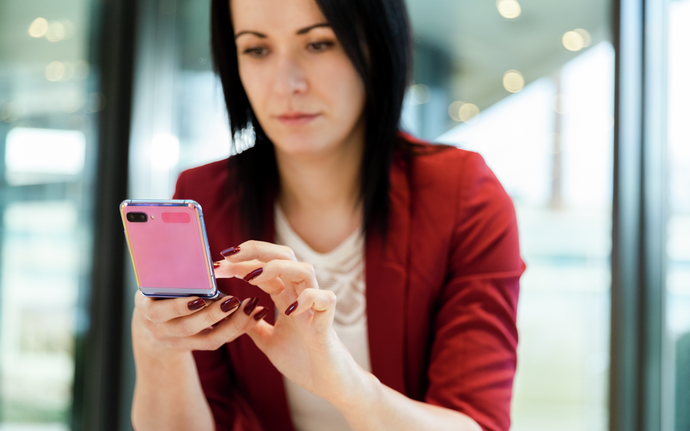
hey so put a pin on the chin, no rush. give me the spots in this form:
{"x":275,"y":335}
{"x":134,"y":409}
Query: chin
{"x":301,"y":144}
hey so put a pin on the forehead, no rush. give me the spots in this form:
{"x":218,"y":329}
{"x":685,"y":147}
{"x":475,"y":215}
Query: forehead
{"x":272,"y":16}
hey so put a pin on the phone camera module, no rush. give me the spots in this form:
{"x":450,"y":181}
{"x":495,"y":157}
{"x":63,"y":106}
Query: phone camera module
{"x":137,"y":217}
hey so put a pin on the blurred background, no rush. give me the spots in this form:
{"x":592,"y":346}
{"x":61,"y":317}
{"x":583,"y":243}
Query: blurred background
{"x":102,"y":100}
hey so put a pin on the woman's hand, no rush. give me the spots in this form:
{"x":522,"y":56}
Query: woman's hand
{"x":302,"y":344}
{"x":171,"y":326}
{"x":168,"y":394}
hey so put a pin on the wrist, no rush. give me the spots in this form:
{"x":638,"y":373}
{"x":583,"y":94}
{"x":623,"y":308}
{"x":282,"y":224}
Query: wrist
{"x":365,"y":393}
{"x":150,"y":353}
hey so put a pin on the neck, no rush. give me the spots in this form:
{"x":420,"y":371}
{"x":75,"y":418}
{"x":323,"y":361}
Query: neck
{"x":320,"y":193}
{"x":323,"y":183}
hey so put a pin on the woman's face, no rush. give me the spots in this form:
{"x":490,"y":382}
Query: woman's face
{"x":303,"y":88}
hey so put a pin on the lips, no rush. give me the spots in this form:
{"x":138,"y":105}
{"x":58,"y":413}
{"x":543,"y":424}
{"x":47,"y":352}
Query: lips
{"x":296,"y":118}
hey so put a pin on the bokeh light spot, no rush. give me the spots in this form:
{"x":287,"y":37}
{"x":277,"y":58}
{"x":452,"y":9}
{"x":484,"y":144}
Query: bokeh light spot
{"x":509,"y":9}
{"x":573,"y":41}
{"x":38,"y":28}
{"x":420,"y":94}
{"x":55,"y":71}
{"x":513,"y":81}
{"x":56,"y":31}
{"x":469,"y":112}
{"x":454,"y":110}
{"x":586,"y":37}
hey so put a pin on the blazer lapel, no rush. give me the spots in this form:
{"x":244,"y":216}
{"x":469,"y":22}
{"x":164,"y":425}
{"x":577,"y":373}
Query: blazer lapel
{"x":386,"y":286}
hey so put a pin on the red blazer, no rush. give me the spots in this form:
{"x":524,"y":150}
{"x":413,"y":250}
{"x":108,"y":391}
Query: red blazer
{"x":441,"y":296}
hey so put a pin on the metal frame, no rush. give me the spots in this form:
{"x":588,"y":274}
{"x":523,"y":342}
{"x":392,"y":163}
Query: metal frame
{"x":97,"y":382}
{"x":639,"y":219}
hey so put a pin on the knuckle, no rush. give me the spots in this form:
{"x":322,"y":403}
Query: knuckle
{"x":209,"y":318}
{"x":309,"y":271}
{"x":183,"y":328}
{"x":252,"y":245}
{"x":238,"y":325}
{"x":180,"y":307}
{"x":151,"y":313}
{"x":289,"y":252}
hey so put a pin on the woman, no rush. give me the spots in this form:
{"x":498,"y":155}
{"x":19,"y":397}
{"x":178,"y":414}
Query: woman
{"x":420,"y":243}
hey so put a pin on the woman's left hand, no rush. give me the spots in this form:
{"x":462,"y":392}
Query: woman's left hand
{"x":302,"y":344}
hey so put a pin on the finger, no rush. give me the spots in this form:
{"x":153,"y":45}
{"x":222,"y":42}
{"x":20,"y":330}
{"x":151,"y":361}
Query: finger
{"x":227,"y":330}
{"x":228,"y":269}
{"x":297,"y":275}
{"x":261,"y":333}
{"x":163,"y":310}
{"x":321,"y":303}
{"x":191,"y":325}
{"x":260,"y":250}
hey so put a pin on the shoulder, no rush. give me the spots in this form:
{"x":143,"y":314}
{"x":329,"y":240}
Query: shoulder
{"x":454,"y":191}
{"x":449,"y":172}
{"x":203,"y":181}
{"x":203,"y":176}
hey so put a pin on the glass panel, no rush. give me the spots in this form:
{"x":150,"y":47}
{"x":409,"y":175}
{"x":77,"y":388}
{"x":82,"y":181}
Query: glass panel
{"x":678,"y":245}
{"x":46,"y":150}
{"x":530,"y":87}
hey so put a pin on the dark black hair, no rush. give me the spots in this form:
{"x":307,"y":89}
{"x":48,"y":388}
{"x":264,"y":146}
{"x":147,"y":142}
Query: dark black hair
{"x":375,"y":35}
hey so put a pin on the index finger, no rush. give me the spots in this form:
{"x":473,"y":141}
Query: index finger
{"x":260,"y":250}
{"x":163,"y":310}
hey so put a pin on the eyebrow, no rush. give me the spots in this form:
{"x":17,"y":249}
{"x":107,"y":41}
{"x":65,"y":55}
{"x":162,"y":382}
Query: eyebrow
{"x":301,"y":31}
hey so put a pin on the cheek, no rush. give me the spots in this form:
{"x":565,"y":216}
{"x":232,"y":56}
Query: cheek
{"x":254,"y":83}
{"x":345,"y":87}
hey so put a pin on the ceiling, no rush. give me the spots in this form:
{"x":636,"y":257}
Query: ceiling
{"x":476,"y":43}
{"x":482,"y":45}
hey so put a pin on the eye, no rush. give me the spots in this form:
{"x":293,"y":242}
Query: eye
{"x":256,"y":52}
{"x":320,"y":46}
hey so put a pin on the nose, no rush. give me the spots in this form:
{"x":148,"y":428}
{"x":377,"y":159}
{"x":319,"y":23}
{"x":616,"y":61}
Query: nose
{"x":290,"y":76}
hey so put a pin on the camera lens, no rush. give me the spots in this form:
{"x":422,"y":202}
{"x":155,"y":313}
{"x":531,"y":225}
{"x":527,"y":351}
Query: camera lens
{"x":137,"y":217}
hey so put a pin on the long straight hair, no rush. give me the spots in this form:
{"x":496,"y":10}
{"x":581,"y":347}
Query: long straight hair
{"x":375,"y":35}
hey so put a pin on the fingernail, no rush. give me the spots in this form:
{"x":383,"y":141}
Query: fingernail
{"x":229,"y":304}
{"x":261,"y":314}
{"x":196,"y":304}
{"x":216,"y":265}
{"x":230,"y":251}
{"x":252,"y":275}
{"x":291,"y":308}
{"x":251,"y":305}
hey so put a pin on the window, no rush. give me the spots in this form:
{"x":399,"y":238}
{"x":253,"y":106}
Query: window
{"x":678,"y":246}
{"x":47,"y":144}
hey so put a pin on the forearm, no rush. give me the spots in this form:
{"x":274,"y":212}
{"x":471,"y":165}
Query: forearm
{"x":168,"y":394}
{"x":375,"y":406}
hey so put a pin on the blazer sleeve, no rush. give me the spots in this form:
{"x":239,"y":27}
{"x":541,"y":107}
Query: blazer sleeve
{"x":473,"y":355}
{"x":230,"y":410}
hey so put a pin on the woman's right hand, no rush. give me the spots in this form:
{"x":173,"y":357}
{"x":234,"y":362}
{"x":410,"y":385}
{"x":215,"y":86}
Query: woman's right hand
{"x":173,"y":326}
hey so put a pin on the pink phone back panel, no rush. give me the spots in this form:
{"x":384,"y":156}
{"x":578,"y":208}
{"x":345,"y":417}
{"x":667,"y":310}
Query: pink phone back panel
{"x":168,"y":250}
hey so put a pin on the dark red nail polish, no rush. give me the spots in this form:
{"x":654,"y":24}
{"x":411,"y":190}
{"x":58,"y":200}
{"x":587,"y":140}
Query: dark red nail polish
{"x":252,"y":275}
{"x":229,"y":304}
{"x":216,"y":265}
{"x":251,"y":305}
{"x":196,"y":304}
{"x":261,"y":314}
{"x":230,"y":251}
{"x":291,"y":308}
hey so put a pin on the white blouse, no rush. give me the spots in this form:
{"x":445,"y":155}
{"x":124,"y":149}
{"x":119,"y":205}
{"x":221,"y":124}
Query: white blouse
{"x":341,"y":270}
